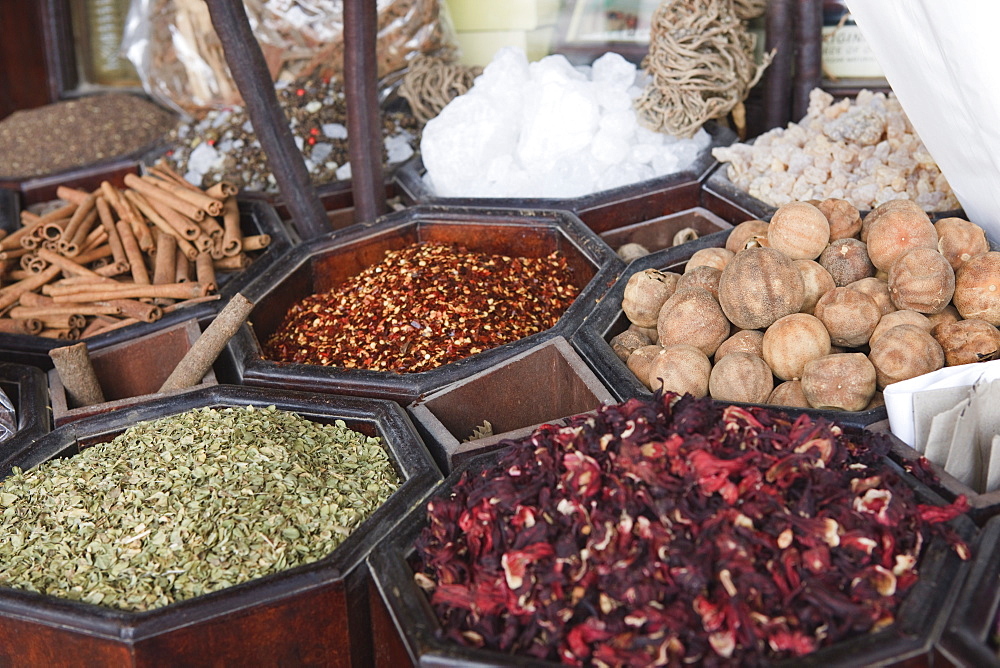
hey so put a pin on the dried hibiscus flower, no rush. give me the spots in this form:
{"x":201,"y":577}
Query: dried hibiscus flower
{"x":677,"y":531}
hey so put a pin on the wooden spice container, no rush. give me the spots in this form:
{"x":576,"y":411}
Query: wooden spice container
{"x":130,"y":372}
{"x":337,"y":199}
{"x":409,"y":622}
{"x":539,"y":385}
{"x":257,"y":217}
{"x":411,"y":181}
{"x":26,"y":388}
{"x":607,"y":319}
{"x":314,"y":614}
{"x":320,"y":264}
{"x":969,"y":639}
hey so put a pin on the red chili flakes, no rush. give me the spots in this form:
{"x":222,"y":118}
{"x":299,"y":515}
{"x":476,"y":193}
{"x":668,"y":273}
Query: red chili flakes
{"x":424,"y":306}
{"x":676,"y":531}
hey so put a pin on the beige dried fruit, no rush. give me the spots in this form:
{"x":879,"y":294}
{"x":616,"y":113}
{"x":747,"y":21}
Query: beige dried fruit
{"x":847,"y":261}
{"x":898,"y":232}
{"x":960,"y":240}
{"x":789,"y":393}
{"x":693,"y":316}
{"x":741,"y":377}
{"x":817,"y":282}
{"x":744,"y":232}
{"x":702,"y":277}
{"x":905,"y":351}
{"x":839,"y":381}
{"x":877,"y":289}
{"x":631,"y":251}
{"x":624,"y":343}
{"x":648,"y":332}
{"x":844,"y":218}
{"x":921,"y":280}
{"x":967,"y":341}
{"x":645,"y":293}
{"x":977,"y":288}
{"x":682,"y":369}
{"x":792,"y":341}
{"x":799,"y":230}
{"x":709,"y":257}
{"x":744,"y":341}
{"x":640,"y":362}
{"x":898,"y":206}
{"x":850,"y":316}
{"x":904,"y":317}
{"x":948,"y":314}
{"x":758,"y":286}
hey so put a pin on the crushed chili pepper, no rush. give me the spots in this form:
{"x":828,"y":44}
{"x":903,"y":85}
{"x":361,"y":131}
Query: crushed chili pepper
{"x":676,"y":531}
{"x":424,"y":306}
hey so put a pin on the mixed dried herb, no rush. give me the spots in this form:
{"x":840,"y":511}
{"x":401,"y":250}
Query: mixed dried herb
{"x":424,"y":306}
{"x":70,"y":134}
{"x":221,"y":144}
{"x":188,"y":504}
{"x":677,"y":531}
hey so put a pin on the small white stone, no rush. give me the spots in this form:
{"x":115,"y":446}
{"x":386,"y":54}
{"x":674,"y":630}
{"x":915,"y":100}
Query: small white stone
{"x":335,"y":130}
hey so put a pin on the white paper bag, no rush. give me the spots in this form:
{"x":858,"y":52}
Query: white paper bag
{"x":941,"y":60}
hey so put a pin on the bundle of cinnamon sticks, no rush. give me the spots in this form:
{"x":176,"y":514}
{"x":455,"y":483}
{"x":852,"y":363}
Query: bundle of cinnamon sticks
{"x":117,"y":256}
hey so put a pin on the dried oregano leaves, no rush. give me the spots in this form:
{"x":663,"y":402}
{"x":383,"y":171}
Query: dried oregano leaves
{"x":188,"y":504}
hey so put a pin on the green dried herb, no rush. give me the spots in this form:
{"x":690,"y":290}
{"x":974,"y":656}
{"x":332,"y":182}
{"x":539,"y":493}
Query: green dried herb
{"x":188,"y":504}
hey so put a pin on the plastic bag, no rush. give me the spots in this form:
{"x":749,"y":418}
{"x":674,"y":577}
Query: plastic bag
{"x":180,"y":61}
{"x":8,"y":417}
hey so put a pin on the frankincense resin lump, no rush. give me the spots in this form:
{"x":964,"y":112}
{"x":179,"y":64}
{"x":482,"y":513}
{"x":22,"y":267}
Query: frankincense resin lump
{"x":863,"y":151}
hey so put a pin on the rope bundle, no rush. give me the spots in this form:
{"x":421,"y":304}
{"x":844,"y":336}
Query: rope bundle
{"x":701,"y":63}
{"x":432,"y":82}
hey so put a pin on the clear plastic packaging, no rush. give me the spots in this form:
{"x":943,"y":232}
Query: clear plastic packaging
{"x":8,"y":417}
{"x":180,"y":61}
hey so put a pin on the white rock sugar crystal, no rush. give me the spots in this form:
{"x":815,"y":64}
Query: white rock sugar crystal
{"x":548,"y":129}
{"x":864,"y":151}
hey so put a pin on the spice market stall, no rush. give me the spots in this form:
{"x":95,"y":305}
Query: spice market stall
{"x":514,"y":369}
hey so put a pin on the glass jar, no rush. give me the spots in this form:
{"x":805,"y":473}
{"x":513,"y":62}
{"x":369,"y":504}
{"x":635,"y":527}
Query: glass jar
{"x":846,"y":54}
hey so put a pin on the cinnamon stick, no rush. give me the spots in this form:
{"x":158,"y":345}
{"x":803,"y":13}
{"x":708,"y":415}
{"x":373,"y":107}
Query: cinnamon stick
{"x":71,"y":195}
{"x":165,"y":262}
{"x":196,"y":197}
{"x":81,"y":213}
{"x":147,"y":209}
{"x":182,"y":270}
{"x":108,"y":292}
{"x":131,"y":308}
{"x":26,"y":311}
{"x":222,"y":190}
{"x":11,"y":293}
{"x":77,"y":374}
{"x":202,"y":354}
{"x":232,"y":234}
{"x":136,"y":262}
{"x":66,"y":264}
{"x":156,"y":194}
{"x":256,"y":242}
{"x":26,"y":326}
{"x":204,"y":271}
{"x":108,"y":223}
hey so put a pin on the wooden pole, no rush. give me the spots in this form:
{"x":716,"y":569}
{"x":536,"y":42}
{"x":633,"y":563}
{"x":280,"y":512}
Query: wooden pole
{"x":363,"y":123}
{"x":246,"y":61}
{"x":809,"y":55}
{"x":778,"y":29}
